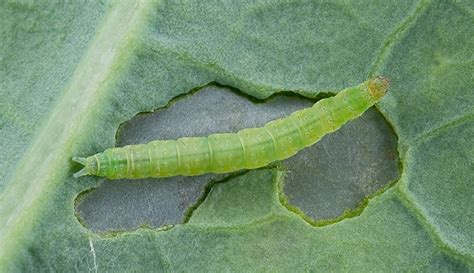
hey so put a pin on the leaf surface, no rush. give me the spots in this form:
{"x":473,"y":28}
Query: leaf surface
{"x":70,"y":74}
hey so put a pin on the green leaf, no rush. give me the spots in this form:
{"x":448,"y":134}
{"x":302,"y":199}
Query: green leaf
{"x":71,"y":73}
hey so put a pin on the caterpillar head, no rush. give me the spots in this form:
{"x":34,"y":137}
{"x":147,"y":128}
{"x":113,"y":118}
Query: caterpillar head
{"x":90,"y":166}
{"x":378,"y":87}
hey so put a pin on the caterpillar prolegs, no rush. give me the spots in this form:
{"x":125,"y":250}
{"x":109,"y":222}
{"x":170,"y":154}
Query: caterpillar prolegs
{"x":249,"y":148}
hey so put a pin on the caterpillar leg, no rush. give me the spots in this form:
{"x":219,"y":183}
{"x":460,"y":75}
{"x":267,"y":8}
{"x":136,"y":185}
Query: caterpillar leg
{"x":83,"y":171}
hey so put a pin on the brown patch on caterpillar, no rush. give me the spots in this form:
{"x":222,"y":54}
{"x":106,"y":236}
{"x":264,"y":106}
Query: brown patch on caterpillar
{"x":378,"y":87}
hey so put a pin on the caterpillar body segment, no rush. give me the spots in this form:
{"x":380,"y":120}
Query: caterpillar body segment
{"x":249,"y":148}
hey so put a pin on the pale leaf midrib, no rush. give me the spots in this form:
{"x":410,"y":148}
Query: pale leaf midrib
{"x":21,"y":200}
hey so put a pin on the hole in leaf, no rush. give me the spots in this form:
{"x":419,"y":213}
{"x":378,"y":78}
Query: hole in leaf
{"x":333,"y":179}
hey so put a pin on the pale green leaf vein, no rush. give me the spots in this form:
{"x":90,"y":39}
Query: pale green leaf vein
{"x":26,"y":193}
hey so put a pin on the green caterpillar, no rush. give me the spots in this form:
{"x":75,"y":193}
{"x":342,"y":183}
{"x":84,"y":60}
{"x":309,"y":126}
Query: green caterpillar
{"x":249,"y":148}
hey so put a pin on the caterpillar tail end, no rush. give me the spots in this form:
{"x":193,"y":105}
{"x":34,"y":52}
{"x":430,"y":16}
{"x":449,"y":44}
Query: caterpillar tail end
{"x":83,"y":171}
